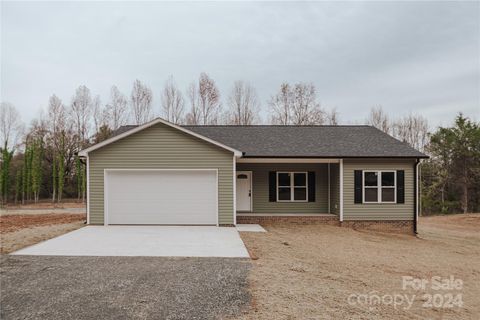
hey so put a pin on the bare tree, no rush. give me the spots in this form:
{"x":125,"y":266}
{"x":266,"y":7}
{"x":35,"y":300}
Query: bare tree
{"x":141,"y":102}
{"x":11,"y":126}
{"x":209,"y":96}
{"x":193,"y":116}
{"x":116,"y":110}
{"x":296,"y":105}
{"x":205,"y":107}
{"x":332,"y":117}
{"x":306,"y":110}
{"x":172,"y":102}
{"x":57,"y":123}
{"x":81,"y":111}
{"x":243,"y":104}
{"x":280,"y":105}
{"x":412,"y":129}
{"x":99,"y":114}
{"x":379,"y":119}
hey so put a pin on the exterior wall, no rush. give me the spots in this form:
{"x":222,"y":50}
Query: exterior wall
{"x":161,"y":147}
{"x":261,"y":205}
{"x":390,"y":211}
{"x":334,"y":188}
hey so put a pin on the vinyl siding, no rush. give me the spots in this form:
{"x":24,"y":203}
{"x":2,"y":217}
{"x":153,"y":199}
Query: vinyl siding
{"x":261,"y":205}
{"x":334,"y":188}
{"x":161,"y":147}
{"x":390,"y":211}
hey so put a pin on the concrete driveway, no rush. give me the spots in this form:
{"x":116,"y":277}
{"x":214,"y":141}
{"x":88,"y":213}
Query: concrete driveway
{"x":148,"y":241}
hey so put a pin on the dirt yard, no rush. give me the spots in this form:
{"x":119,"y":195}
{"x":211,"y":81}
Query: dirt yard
{"x":47,"y":204}
{"x":325,"y":272}
{"x":21,"y":230}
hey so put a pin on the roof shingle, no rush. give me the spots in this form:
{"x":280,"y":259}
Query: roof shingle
{"x":343,"y":141}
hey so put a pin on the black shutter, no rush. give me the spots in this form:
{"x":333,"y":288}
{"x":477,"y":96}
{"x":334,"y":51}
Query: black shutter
{"x":272,"y":186}
{"x":400,"y":186}
{"x":358,"y":186}
{"x":311,"y":186}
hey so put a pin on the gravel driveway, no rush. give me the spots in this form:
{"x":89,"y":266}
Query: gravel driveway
{"x":49,"y":287}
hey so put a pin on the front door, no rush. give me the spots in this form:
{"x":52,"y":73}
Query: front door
{"x":244,"y":191}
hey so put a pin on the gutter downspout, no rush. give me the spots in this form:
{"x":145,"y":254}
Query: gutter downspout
{"x":416,"y":197}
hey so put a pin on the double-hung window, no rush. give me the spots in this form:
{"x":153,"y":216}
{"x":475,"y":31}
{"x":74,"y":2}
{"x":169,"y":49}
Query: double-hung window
{"x":292,"y":186}
{"x":379,"y":186}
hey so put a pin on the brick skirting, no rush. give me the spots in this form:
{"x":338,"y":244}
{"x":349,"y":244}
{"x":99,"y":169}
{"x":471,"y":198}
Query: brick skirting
{"x":321,"y":219}
{"x":395,"y":226}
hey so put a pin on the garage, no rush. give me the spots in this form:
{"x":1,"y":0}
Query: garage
{"x":163,"y":197}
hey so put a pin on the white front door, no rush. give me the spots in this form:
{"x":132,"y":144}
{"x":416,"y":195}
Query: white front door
{"x":244,"y":191}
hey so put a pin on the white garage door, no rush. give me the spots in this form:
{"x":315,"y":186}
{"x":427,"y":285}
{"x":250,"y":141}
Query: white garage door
{"x":161,"y":197}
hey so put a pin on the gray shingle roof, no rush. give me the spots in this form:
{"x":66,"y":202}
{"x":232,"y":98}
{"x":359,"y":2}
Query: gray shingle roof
{"x":306,"y":141}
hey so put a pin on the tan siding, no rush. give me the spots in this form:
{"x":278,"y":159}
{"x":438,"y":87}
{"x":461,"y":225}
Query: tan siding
{"x":261,"y":205}
{"x":161,"y":147}
{"x":352,"y":211}
{"x":334,"y":188}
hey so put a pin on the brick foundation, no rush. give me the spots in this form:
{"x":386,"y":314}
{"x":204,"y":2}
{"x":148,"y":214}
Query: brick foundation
{"x":323,"y":219}
{"x":395,"y":226}
{"x":392,"y":226}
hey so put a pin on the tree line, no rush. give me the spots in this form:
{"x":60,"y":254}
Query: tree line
{"x":450,"y":178}
{"x":40,"y":161}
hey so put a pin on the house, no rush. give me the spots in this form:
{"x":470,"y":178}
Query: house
{"x":162,"y":173}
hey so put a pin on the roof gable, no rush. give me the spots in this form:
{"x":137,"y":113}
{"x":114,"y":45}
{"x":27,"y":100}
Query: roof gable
{"x":134,"y":129}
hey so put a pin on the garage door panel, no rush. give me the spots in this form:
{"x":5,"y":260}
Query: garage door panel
{"x":162,"y":197}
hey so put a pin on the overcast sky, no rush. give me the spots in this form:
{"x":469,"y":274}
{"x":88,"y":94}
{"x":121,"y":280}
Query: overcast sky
{"x":421,"y":57}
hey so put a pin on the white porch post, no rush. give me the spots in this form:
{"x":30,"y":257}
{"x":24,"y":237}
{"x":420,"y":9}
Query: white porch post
{"x":341,"y":189}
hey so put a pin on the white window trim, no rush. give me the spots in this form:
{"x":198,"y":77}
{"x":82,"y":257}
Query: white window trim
{"x":292,"y":186}
{"x":379,"y":186}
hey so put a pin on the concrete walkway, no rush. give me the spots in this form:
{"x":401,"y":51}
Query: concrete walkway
{"x":148,"y":241}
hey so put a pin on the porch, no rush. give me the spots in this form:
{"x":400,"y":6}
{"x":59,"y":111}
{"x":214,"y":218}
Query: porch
{"x":294,"y":190}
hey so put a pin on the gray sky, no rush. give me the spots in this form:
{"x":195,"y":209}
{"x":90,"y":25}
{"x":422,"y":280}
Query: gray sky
{"x":421,"y":57}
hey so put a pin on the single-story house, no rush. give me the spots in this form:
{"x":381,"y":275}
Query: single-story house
{"x":167,"y":174}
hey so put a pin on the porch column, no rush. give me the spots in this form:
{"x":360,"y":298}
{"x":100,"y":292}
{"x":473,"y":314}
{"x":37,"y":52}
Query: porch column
{"x":329,"y":209}
{"x":341,"y":189}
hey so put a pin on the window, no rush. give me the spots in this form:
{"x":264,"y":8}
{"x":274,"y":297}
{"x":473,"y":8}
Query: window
{"x":379,"y":187}
{"x":292,"y":186}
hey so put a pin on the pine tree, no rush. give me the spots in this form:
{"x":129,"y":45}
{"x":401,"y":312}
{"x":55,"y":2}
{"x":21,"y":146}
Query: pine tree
{"x":5,"y":173}
{"x":84,"y":182}
{"x":25,"y":173}
{"x":54,"y":176}
{"x":36,"y":166}
{"x":78,"y":174}
{"x":61,"y":170}
{"x":29,"y":155}
{"x":18,"y":184}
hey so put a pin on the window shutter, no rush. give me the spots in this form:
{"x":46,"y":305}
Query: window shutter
{"x":400,"y":186}
{"x":358,"y":186}
{"x":311,"y":186}
{"x":272,"y":186}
